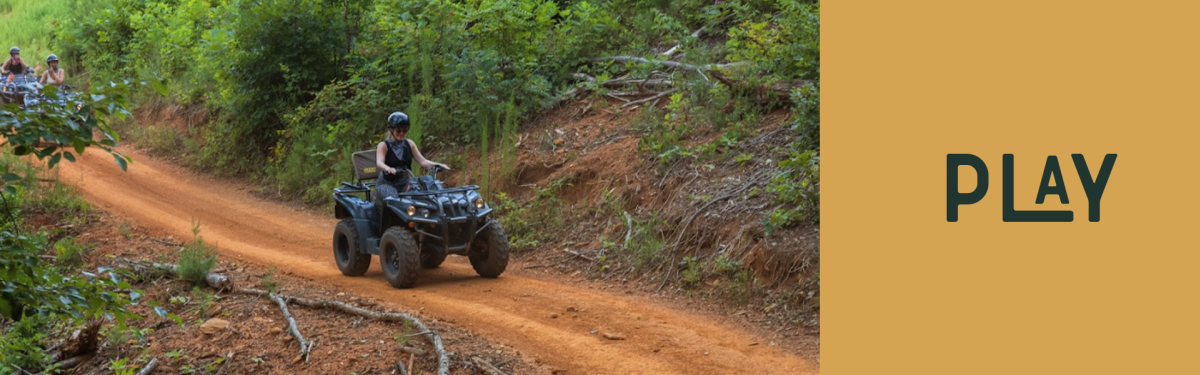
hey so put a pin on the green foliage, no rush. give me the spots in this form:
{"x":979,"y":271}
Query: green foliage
{"x":797,"y":186}
{"x":70,"y":254}
{"x":30,"y":288}
{"x":196,"y":258}
{"x":61,"y":200}
{"x":40,"y":297}
{"x":23,"y":345}
{"x":121,"y":366}
{"x":787,"y":45}
{"x":646,"y":242}
{"x":529,"y":223}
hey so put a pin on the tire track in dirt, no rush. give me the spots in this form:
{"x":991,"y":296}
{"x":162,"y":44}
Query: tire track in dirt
{"x":512,"y":310}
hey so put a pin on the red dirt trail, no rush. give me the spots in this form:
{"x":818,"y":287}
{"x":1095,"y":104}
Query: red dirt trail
{"x":512,"y":310}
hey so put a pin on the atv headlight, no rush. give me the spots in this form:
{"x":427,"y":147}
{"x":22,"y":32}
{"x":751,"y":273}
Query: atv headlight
{"x":424,"y":213}
{"x":411,"y":211}
{"x":479,"y":203}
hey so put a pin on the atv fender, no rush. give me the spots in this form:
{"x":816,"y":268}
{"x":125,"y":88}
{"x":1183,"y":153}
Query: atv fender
{"x":362,"y":212}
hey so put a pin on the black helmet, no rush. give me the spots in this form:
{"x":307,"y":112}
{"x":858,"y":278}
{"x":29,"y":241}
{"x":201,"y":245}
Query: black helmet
{"x":50,"y":58}
{"x":398,"y":120}
{"x":14,"y":50}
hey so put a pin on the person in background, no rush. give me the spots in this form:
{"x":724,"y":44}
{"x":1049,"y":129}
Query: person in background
{"x":14,"y":65}
{"x":53,"y":76}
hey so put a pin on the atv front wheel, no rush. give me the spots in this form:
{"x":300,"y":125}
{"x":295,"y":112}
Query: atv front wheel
{"x":349,"y":258}
{"x":489,"y":251}
{"x":399,"y":257}
{"x":432,"y":255}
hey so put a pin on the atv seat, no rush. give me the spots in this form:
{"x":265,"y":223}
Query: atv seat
{"x":364,"y":165}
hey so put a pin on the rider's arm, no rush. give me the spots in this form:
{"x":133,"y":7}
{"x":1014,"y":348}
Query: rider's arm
{"x":381,"y":159}
{"x":421,"y":158}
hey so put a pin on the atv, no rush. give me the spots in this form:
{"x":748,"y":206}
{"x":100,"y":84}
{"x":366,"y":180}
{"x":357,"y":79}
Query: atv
{"x":414,"y":229}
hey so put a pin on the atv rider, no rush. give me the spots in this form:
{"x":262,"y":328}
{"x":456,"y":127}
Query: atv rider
{"x":53,"y":76}
{"x":14,"y":65}
{"x":394,"y":158}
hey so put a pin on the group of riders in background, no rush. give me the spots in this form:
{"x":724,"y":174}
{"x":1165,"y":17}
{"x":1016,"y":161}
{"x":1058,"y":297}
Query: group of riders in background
{"x":16,"y":66}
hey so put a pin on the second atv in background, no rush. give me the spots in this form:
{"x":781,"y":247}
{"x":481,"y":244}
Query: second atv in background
{"x":415,"y":229}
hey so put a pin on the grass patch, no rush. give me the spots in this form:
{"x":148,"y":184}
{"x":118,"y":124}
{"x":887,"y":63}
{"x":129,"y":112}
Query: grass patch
{"x":70,"y":254}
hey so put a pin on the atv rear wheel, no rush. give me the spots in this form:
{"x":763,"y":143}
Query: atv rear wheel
{"x":489,"y":251}
{"x":432,"y":255}
{"x":398,"y":256}
{"x":346,"y":253}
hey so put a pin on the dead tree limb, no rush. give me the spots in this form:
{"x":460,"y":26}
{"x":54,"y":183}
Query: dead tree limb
{"x":149,"y":367}
{"x":655,"y":97}
{"x":305,"y":345}
{"x":579,"y":255}
{"x":666,"y":63}
{"x":70,"y":363}
{"x":438,"y":348}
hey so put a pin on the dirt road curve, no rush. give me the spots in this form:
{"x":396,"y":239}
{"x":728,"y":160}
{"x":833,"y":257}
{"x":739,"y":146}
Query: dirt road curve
{"x":512,"y":310}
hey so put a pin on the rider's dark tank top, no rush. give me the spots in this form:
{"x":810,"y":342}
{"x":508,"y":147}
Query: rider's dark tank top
{"x":403,"y":162}
{"x":16,"y":67}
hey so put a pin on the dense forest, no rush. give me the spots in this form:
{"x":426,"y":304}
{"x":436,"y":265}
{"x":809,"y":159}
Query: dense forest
{"x":294,"y":86}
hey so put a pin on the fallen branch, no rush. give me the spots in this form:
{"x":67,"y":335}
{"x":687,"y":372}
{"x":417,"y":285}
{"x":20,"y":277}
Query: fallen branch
{"x":305,"y":346}
{"x":667,"y":63}
{"x":486,"y":366}
{"x":400,"y":369}
{"x":655,"y":97}
{"x":72,"y":362}
{"x":149,"y":367}
{"x":536,"y":266}
{"x":438,"y":348}
{"x":579,"y":255}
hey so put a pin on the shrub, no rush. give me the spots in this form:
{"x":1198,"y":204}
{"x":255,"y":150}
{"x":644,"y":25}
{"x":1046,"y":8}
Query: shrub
{"x":196,"y":258}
